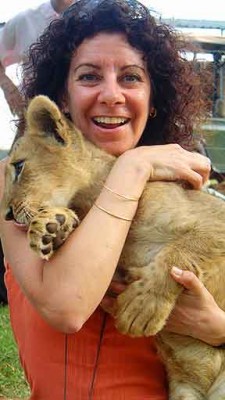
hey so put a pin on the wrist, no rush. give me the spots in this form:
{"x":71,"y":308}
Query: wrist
{"x":128,"y":175}
{"x":117,"y":204}
{"x":220,"y":339}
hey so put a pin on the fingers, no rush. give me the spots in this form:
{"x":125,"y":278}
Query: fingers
{"x":172,"y":162}
{"x":188,"y":280}
{"x":202,"y":167}
{"x":195,"y":179}
{"x":194,"y":167}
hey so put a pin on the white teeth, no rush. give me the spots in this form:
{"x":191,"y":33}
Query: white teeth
{"x":110,"y":120}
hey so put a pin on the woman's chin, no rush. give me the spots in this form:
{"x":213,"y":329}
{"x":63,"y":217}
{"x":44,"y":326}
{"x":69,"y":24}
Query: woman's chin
{"x":115,"y":148}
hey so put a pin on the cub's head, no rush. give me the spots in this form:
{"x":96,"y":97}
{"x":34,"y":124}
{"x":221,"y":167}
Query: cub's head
{"x":44,"y":164}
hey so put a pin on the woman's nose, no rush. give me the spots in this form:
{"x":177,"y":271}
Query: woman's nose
{"x":111,"y":93}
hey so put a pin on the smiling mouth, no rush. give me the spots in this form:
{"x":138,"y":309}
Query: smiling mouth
{"x":110,"y":122}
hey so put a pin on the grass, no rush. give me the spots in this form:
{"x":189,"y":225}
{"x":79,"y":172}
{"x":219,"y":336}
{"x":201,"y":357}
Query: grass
{"x":12,"y":382}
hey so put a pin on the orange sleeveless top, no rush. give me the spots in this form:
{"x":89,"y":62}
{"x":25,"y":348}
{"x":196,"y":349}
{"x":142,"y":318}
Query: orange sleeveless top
{"x":97,"y":363}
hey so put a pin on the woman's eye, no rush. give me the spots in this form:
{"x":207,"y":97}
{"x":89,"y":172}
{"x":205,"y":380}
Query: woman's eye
{"x":131,"y":78}
{"x":88,"y":78}
{"x":18,"y":166}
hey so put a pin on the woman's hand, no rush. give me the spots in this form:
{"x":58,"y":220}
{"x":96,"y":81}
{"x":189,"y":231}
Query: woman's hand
{"x":170,"y":163}
{"x":196,"y":313}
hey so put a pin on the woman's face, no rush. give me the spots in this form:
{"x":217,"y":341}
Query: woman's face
{"x":108,"y":92}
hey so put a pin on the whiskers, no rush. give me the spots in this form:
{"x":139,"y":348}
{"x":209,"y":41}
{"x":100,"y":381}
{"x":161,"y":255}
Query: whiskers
{"x":24,"y":212}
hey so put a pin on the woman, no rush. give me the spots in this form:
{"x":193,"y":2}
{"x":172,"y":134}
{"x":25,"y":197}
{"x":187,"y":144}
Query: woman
{"x":119,"y":76}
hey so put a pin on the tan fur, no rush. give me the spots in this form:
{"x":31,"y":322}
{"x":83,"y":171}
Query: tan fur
{"x":64,"y":172}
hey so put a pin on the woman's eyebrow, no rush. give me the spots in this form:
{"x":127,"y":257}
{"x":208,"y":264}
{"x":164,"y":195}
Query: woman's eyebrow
{"x":89,"y":65}
{"x":133,"y":66}
{"x":94,"y":66}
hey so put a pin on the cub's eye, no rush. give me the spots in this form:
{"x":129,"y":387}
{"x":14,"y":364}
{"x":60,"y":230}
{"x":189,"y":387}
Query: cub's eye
{"x":18,"y":168}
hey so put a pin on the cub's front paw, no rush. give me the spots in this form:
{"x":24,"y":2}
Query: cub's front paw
{"x":49,"y":229}
{"x":141,"y":311}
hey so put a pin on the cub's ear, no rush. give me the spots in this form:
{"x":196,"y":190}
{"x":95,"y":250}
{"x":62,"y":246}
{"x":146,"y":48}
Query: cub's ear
{"x":44,"y":118}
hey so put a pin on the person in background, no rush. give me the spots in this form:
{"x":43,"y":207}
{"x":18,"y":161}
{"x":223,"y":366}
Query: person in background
{"x":16,"y":36}
{"x":23,"y":29}
{"x":121,"y":77}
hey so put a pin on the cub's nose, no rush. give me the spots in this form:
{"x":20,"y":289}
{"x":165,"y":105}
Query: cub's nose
{"x":9,"y":214}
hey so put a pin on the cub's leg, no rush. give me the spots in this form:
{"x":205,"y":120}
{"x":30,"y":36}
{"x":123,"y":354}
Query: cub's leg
{"x":143,"y":308}
{"x":50,"y":228}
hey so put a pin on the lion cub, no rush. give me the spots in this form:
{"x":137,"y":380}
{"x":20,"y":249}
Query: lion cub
{"x":54,"y":176}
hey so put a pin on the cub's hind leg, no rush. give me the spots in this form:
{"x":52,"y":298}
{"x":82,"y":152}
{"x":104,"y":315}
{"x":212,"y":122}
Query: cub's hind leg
{"x":50,"y":228}
{"x":217,"y":391}
{"x":193,"y":367}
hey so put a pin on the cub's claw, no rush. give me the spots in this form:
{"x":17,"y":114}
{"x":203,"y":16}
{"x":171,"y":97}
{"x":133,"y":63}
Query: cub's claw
{"x":141,"y":311}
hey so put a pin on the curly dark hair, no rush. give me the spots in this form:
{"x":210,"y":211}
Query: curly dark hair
{"x":178,"y":93}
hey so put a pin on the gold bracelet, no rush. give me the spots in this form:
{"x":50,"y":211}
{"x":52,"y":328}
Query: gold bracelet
{"x":112,"y":215}
{"x":121,"y":195}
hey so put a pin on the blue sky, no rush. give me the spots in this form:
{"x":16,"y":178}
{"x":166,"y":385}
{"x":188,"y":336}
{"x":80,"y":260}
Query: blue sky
{"x":192,"y":9}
